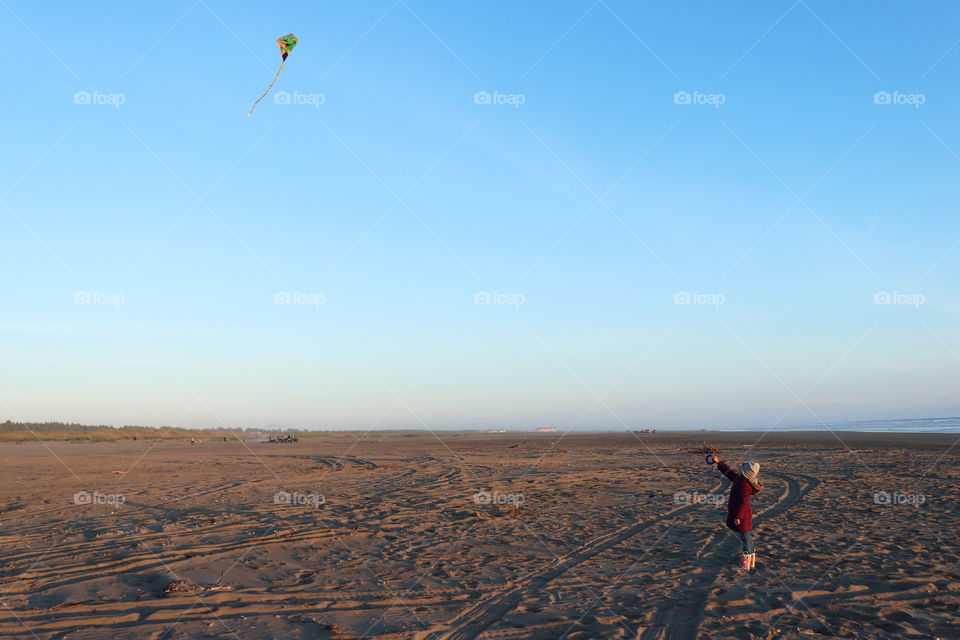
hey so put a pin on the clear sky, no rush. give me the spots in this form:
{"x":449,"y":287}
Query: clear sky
{"x":626,"y":158}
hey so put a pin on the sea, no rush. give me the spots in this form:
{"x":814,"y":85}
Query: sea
{"x":907,"y":425}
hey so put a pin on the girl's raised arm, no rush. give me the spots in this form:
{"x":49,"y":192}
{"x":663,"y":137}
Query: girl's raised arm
{"x":725,"y":469}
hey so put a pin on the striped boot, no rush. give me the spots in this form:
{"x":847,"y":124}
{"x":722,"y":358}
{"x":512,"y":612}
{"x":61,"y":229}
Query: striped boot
{"x":753,"y":561}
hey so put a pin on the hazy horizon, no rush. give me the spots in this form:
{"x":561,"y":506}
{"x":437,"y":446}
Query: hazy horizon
{"x":901,"y":425}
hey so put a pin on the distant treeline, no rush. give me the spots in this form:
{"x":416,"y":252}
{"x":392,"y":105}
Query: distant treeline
{"x":25,"y":431}
{"x":73,"y":426}
{"x":22,"y":431}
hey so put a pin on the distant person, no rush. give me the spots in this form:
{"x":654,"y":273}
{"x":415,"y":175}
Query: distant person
{"x":746,"y":483}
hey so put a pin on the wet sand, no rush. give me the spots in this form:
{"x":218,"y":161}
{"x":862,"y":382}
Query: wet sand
{"x":489,"y":536}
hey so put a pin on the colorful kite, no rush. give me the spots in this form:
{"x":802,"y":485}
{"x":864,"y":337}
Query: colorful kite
{"x":287,"y":43}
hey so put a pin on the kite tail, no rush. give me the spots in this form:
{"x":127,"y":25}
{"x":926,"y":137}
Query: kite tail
{"x":268,"y":88}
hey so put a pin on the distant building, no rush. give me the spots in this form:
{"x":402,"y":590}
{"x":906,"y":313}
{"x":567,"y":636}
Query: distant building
{"x":546,"y":429}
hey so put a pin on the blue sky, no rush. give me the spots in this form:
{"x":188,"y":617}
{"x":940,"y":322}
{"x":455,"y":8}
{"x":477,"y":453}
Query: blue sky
{"x":647,"y":261}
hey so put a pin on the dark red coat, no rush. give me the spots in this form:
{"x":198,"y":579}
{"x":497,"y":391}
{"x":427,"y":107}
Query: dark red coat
{"x":738,"y":506}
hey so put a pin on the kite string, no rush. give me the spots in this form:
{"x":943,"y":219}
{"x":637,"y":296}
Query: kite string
{"x":268,"y":88}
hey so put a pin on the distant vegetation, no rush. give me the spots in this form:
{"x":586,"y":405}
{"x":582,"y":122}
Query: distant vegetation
{"x":24,"y":431}
{"x":72,"y":432}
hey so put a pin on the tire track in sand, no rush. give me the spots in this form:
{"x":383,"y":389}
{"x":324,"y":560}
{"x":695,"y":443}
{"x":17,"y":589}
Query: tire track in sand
{"x":475,"y":620}
{"x":680,"y":618}
{"x":678,"y":621}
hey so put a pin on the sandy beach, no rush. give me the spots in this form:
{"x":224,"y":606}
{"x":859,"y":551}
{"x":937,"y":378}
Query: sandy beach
{"x":486,"y":536}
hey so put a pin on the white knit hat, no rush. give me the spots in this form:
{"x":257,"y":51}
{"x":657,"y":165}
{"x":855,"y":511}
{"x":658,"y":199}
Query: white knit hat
{"x":750,"y":470}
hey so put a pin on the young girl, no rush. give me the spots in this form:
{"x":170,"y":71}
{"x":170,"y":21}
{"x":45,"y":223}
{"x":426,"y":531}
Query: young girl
{"x":746,"y":483}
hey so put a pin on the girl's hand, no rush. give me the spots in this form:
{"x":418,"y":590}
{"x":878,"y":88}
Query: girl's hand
{"x":736,"y":521}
